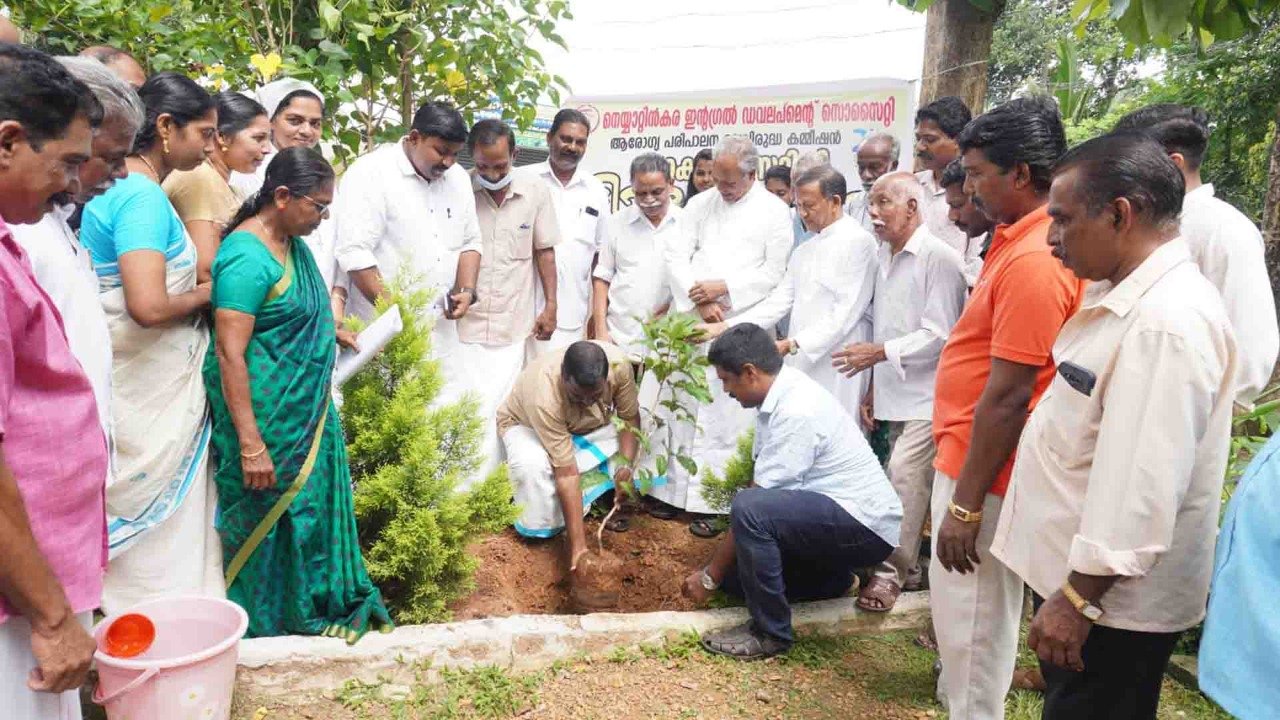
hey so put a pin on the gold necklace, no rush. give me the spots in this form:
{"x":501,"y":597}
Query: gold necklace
{"x":150,"y":167}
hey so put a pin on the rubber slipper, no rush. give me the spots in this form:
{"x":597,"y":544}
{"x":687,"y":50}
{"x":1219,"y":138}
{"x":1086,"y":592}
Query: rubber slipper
{"x":618,"y":524}
{"x":662,"y":511}
{"x":704,"y":528}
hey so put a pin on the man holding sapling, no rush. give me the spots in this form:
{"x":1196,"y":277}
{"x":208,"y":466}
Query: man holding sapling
{"x":819,"y":506}
{"x":557,"y":428}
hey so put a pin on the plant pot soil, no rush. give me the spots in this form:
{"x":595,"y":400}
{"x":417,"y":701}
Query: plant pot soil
{"x":646,"y":566}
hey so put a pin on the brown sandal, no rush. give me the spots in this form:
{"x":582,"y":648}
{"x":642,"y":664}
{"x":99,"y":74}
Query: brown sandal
{"x":879,"y":590}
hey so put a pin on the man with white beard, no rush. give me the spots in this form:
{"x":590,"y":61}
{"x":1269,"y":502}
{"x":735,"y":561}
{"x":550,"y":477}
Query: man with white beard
{"x":736,"y":253}
{"x":827,"y":288}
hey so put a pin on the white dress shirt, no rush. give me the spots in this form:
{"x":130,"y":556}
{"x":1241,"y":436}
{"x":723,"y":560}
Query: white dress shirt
{"x":582,"y":207}
{"x":745,"y":243}
{"x":633,"y":262}
{"x":937,"y":219}
{"x":920,"y":293}
{"x":387,"y":216}
{"x":856,"y":206}
{"x":806,"y":441}
{"x":827,"y":289}
{"x":1228,"y":248}
{"x":1125,"y":478}
{"x":65,"y":272}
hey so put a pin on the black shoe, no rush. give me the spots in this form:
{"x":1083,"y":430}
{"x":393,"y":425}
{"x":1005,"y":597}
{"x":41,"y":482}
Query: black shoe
{"x":744,"y":643}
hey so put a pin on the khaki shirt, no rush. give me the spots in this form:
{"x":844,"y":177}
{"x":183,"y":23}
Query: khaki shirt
{"x":538,"y":401}
{"x":526,"y":221}
{"x":1125,"y":478}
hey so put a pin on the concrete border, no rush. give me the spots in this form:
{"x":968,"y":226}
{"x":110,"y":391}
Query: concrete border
{"x":291,"y":666}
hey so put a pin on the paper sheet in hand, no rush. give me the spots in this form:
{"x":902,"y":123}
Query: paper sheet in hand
{"x":371,"y":341}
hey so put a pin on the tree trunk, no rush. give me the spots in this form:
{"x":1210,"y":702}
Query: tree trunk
{"x":957,"y":45}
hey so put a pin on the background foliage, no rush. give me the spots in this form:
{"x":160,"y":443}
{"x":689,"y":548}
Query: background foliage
{"x":375,"y":60}
{"x":407,"y":462}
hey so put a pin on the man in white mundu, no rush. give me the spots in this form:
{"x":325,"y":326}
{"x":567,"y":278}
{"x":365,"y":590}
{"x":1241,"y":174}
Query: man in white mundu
{"x":827,"y":288}
{"x":740,"y":239}
{"x":582,"y":208}
{"x":406,"y":210}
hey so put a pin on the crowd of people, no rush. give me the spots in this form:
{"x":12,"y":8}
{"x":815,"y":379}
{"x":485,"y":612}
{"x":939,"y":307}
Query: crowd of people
{"x":1051,"y":342}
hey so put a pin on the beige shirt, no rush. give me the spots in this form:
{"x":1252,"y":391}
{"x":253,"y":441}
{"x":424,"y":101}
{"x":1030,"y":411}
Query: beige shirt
{"x":1126,"y":479}
{"x":526,"y":221}
{"x":537,"y":401}
{"x":202,"y":194}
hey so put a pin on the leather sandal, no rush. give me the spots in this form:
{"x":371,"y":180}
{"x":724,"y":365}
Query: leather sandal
{"x":744,"y":643}
{"x":879,"y":596}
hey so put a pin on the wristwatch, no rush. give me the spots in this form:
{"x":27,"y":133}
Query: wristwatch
{"x":707,"y":583}
{"x":1091,"y":612}
{"x":793,"y":347}
{"x":471,"y":291}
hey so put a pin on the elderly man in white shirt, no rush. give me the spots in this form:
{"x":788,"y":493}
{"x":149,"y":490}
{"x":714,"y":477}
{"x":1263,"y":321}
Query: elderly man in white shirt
{"x":827,"y":288}
{"x":1112,"y":511}
{"x":877,"y":156}
{"x":60,"y":263}
{"x":739,"y":240}
{"x":406,"y":213}
{"x":920,"y":292}
{"x":582,"y":207}
{"x":1224,"y":243}
{"x":631,"y":283}
{"x":818,"y":509}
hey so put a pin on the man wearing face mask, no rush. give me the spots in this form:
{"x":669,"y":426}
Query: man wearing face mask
{"x":582,"y":207}
{"x":877,"y":155}
{"x":631,"y":279}
{"x":406,"y":212}
{"x":557,"y":428}
{"x":519,"y":230}
{"x":60,"y":263}
{"x":827,"y":287}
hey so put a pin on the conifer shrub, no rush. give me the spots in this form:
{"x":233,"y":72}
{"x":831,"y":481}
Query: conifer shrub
{"x":718,"y":491}
{"x":407,"y":463}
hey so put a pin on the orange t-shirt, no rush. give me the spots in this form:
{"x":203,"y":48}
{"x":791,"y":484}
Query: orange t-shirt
{"x":1020,"y":302}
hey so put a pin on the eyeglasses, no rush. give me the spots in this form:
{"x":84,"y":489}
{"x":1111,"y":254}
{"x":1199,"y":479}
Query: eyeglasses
{"x":321,"y":208}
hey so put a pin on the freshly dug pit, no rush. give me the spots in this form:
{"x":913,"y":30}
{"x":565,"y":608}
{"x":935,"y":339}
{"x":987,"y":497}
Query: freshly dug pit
{"x":519,"y":576}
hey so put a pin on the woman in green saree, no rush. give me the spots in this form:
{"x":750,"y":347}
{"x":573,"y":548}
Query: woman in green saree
{"x":290,"y":549}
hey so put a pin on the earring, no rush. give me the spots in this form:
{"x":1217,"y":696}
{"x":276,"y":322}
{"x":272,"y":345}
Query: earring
{"x":166,"y":144}
{"x":224,"y":147}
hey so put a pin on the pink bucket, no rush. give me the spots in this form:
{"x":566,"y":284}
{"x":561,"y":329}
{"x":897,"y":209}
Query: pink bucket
{"x":189,"y":672}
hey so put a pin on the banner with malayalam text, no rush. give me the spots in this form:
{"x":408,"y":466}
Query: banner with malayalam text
{"x":783,"y":121}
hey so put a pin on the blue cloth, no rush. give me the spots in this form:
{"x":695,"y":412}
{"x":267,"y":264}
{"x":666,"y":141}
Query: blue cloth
{"x":799,"y":230}
{"x":135,"y":214}
{"x":794,"y":545}
{"x":1241,"y":642}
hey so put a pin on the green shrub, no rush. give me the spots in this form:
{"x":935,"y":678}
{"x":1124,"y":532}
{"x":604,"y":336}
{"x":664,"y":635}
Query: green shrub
{"x":407,"y":461}
{"x":718,"y":491}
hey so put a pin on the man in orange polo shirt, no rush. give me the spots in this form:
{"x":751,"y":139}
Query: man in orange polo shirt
{"x":993,"y":369}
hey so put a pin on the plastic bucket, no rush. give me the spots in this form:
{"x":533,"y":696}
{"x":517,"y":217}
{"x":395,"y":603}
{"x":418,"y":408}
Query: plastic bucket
{"x":188,"y":673}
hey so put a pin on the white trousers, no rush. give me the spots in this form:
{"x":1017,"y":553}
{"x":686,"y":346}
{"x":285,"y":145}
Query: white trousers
{"x":911,"y":472}
{"x":976,"y":618}
{"x":486,"y":374}
{"x":533,"y":482}
{"x":16,"y":664}
{"x":561,"y":338}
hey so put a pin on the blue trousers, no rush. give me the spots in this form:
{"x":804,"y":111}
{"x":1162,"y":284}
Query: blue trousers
{"x":794,"y":545}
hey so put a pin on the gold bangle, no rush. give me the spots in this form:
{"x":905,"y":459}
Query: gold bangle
{"x":964,"y":516}
{"x":250,"y":456}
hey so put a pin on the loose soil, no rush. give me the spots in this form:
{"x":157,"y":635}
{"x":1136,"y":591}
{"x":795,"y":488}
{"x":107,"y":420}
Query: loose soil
{"x":518,"y":576}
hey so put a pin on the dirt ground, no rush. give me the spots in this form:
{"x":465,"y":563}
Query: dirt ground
{"x":518,"y":576}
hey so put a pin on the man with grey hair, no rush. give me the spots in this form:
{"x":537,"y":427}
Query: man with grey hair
{"x":806,"y":162}
{"x":877,"y":155}
{"x":827,"y":287}
{"x":630,"y":283}
{"x":920,"y":290}
{"x":736,"y":253}
{"x":59,"y":262}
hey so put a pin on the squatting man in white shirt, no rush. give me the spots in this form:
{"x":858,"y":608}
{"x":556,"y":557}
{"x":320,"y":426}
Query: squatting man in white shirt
{"x":819,"y":506}
{"x":1112,"y":510}
{"x":920,"y":290}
